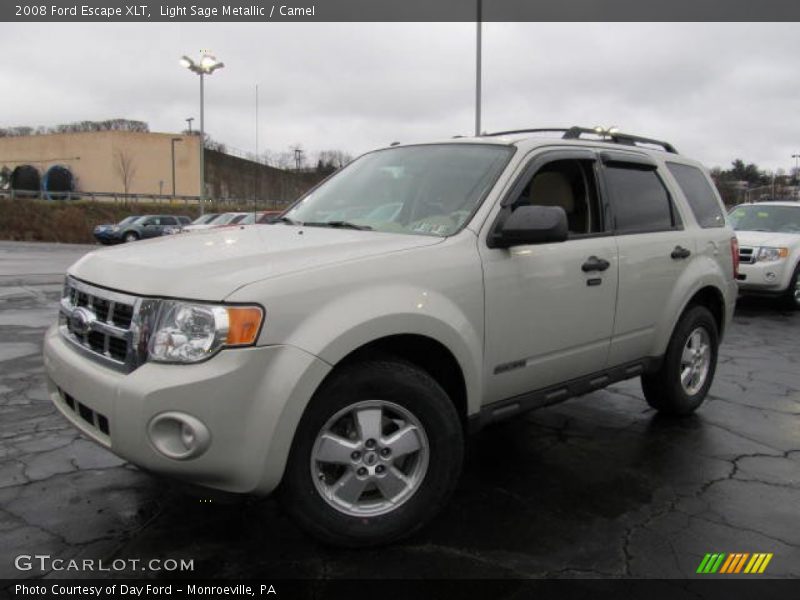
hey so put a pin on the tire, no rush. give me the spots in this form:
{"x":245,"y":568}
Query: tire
{"x":680,"y":385}
{"x":792,"y":298}
{"x":414,"y":412}
{"x":130,"y":236}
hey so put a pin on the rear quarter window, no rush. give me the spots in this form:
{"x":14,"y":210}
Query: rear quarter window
{"x":702,"y":200}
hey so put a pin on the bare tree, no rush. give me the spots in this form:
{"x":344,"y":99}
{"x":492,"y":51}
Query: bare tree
{"x":333,"y":159}
{"x":125,"y":167}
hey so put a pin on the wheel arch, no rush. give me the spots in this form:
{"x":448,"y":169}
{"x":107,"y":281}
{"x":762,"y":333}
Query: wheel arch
{"x":427,"y":353}
{"x":710,"y":297}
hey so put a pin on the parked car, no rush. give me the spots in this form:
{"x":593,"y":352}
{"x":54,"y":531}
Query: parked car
{"x":173,"y":229}
{"x":108,"y":233}
{"x":217,"y":221}
{"x":769,"y":249}
{"x":144,"y":227}
{"x":347,"y":360}
{"x":201,"y":222}
{"x":268,"y":216}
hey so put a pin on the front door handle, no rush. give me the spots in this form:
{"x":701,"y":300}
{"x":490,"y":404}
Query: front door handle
{"x":680,"y":252}
{"x":595,"y":264}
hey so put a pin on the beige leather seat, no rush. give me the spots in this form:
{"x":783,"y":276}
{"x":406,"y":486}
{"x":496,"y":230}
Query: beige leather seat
{"x":552,"y":189}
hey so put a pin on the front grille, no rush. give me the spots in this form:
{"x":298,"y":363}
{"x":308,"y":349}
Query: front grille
{"x":101,"y":323}
{"x":747,"y":255}
{"x":91,"y":417}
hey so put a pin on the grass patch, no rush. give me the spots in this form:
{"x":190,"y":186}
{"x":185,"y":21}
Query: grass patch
{"x":72,"y":222}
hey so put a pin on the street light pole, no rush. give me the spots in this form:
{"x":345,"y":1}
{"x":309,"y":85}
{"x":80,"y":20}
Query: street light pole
{"x":174,"y":140}
{"x":202,"y":147}
{"x":796,"y":158}
{"x":478,"y":70}
{"x":206,"y":66}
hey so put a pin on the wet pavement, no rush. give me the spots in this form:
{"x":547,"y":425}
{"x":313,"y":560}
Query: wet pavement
{"x":598,"y":486}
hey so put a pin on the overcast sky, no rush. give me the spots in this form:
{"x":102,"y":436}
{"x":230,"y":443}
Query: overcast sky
{"x":716,"y":91}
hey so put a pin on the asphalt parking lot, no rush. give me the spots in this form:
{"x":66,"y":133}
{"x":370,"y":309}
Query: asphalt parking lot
{"x":596,"y":487}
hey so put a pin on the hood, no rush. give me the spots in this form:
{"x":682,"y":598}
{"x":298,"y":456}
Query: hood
{"x":767,"y":238}
{"x":210,"y":265}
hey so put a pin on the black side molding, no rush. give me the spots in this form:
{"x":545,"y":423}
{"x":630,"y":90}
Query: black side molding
{"x":503,"y":409}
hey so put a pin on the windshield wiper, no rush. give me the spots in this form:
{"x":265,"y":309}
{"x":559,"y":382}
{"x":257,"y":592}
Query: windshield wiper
{"x":337,"y":225}
{"x":286,"y":220}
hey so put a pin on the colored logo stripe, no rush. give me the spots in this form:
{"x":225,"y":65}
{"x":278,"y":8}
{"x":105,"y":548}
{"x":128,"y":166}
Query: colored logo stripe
{"x":734,"y":563}
{"x":758,"y":563}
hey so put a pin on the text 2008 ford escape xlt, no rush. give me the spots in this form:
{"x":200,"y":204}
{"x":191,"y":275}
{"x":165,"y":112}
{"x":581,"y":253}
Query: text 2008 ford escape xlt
{"x":341,"y":354}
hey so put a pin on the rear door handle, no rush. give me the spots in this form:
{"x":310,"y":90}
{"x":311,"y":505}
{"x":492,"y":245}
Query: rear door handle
{"x":595,"y":264}
{"x":680,"y":252}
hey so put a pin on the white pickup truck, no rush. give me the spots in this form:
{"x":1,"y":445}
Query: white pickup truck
{"x":341,"y":353}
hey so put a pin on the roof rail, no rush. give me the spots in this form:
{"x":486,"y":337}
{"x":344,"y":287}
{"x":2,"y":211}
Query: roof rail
{"x":574,"y":133}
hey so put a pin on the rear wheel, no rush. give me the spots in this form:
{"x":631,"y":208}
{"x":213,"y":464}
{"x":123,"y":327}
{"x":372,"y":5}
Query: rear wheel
{"x":376,"y":455}
{"x":682,"y":382}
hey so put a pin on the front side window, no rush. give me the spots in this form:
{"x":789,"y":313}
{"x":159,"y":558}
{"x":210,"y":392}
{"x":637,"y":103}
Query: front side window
{"x":641,"y":202}
{"x":422,"y":190}
{"x":699,"y":194}
{"x":570,"y":184}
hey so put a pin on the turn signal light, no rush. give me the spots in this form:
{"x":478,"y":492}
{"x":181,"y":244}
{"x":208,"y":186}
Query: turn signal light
{"x":243,"y":325}
{"x":735,"y":256}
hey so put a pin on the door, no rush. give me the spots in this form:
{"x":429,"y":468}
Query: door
{"x":151,"y":228}
{"x":654,"y":250}
{"x":550,"y":307}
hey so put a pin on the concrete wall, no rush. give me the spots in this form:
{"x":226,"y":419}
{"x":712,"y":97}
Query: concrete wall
{"x":94,"y":157}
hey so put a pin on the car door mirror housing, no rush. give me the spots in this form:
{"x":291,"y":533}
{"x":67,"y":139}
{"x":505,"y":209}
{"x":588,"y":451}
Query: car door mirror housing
{"x":530,"y":225}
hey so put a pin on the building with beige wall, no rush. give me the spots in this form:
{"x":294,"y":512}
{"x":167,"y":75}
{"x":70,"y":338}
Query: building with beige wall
{"x":104,"y":161}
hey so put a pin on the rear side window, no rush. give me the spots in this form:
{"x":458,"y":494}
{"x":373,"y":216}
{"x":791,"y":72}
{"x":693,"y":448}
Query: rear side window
{"x":698,"y":192}
{"x":168,"y":221}
{"x":641,"y":202}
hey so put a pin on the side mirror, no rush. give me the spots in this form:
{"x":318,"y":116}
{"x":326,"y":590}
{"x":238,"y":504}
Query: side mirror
{"x":530,"y":225}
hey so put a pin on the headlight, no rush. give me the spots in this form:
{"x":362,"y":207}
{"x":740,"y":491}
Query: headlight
{"x":767,"y":254}
{"x":189,"y":333}
{"x":115,"y":228}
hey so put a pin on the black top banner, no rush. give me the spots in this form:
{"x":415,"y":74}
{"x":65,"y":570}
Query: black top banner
{"x":397,"y":10}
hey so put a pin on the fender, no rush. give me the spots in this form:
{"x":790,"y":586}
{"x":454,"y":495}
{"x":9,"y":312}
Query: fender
{"x":702,"y":272}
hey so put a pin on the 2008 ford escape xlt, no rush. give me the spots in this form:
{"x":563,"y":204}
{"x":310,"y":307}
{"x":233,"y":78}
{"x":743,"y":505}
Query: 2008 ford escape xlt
{"x":341,"y":354}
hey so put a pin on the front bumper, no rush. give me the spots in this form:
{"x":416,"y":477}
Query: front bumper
{"x":764,"y":277}
{"x":250,"y":399}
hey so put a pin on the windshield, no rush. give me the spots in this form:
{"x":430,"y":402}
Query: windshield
{"x":128,"y":220}
{"x":423,"y":190}
{"x":766,"y":217}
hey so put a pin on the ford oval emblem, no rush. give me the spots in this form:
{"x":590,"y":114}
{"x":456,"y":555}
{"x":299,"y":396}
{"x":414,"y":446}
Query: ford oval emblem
{"x":80,"y":320}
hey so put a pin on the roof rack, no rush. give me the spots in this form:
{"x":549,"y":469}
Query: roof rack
{"x":574,"y":133}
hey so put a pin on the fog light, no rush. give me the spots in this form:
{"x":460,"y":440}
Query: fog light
{"x":770,"y":276}
{"x":179,"y":436}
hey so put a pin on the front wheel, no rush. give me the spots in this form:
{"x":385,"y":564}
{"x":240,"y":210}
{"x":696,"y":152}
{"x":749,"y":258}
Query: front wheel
{"x":376,"y":455}
{"x":793,"y":293}
{"x":131,"y":236}
{"x":687,"y":371}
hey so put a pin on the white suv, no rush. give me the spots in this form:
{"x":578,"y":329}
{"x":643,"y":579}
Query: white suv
{"x":473,"y":279}
{"x":769,"y":249}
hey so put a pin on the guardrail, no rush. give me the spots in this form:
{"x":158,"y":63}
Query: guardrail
{"x":261,"y":203}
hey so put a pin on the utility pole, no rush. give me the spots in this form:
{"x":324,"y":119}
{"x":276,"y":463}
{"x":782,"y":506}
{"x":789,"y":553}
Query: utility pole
{"x":478,"y":70}
{"x":174,"y":140}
